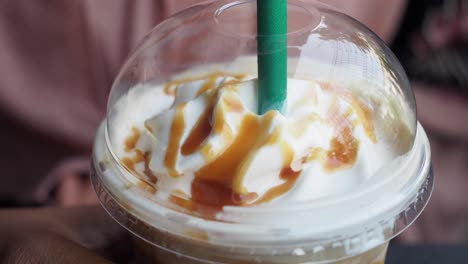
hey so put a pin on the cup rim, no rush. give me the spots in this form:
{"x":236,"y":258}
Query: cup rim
{"x":389,"y":224}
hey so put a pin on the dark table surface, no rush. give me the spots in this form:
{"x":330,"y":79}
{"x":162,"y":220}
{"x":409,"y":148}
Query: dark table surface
{"x":427,"y":254}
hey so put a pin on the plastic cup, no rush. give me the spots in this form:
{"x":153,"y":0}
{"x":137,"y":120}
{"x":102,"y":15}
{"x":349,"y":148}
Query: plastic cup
{"x":323,"y":46}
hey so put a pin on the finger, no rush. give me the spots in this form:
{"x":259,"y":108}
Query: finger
{"x":45,"y":247}
{"x":93,"y":228}
{"x":89,"y":196}
{"x":69,"y":191}
{"x":72,"y":190}
{"x":88,"y":227}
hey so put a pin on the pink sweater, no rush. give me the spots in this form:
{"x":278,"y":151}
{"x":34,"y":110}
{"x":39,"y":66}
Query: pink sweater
{"x":58,"y":60}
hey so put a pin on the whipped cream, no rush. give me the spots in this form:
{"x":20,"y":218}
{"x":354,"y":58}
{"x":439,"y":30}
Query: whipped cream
{"x":352,"y":205}
{"x":199,"y":139}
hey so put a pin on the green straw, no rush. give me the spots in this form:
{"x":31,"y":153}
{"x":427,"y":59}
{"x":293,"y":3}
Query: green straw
{"x":272,"y":21}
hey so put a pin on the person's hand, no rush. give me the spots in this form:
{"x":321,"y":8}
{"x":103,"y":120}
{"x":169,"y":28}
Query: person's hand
{"x":54,"y":235}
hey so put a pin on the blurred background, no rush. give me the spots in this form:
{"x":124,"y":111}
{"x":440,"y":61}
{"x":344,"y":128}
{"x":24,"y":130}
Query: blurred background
{"x":58,"y":60}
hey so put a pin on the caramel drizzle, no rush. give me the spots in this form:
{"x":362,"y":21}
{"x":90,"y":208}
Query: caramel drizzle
{"x":344,"y":147}
{"x":177,"y":130}
{"x":362,"y":111}
{"x":233,"y":163}
{"x":287,"y":174}
{"x":209,"y":84}
{"x":365,"y":116}
{"x":131,"y":141}
{"x":130,"y":163}
{"x":290,"y":177}
{"x":190,"y":206}
{"x":233,"y":105}
{"x":147,"y":171}
{"x":199,"y":133}
{"x":147,"y":184}
{"x":203,"y":128}
{"x":223,"y":169}
{"x":219,"y":127}
{"x":171,"y":86}
{"x":220,"y":182}
{"x":343,"y":152}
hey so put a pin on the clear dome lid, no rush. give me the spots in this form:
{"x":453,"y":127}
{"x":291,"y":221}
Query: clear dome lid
{"x":330,"y":54}
{"x":324,"y":47}
{"x":218,"y":40}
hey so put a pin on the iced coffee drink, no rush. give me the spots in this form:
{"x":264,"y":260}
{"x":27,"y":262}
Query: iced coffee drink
{"x":188,"y":166}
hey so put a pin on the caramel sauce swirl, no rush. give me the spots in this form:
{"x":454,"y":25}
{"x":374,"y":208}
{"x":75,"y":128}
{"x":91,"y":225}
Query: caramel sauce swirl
{"x":220,"y":182}
{"x":198,"y":134}
{"x":177,"y":129}
{"x":146,"y":180}
{"x":210,"y":81}
{"x":132,"y":140}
